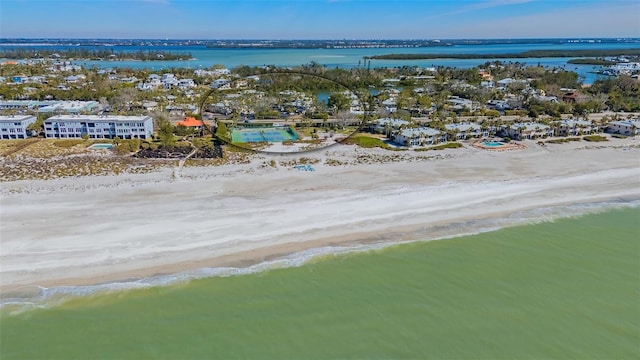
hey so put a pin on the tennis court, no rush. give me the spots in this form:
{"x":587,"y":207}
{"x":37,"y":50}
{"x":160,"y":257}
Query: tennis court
{"x":263,"y":134}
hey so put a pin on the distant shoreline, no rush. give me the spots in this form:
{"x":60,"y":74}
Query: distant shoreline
{"x":523,"y":55}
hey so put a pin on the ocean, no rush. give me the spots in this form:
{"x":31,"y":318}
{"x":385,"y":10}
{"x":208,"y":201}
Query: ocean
{"x":349,"y":58}
{"x":556,"y":288}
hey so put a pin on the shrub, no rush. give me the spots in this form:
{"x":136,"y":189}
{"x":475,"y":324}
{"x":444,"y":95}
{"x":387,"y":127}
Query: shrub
{"x":67,"y":143}
{"x":451,"y":145}
{"x":595,"y":138}
{"x":367,"y":142}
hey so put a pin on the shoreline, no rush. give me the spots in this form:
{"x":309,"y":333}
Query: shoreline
{"x":242,"y":215}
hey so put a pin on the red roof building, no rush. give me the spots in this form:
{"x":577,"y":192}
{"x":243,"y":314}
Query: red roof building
{"x":191,"y":122}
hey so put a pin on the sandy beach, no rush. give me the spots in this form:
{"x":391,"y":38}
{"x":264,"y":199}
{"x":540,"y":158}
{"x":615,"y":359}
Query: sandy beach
{"x":91,"y":230}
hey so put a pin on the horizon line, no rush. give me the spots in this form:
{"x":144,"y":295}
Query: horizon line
{"x":320,"y":39}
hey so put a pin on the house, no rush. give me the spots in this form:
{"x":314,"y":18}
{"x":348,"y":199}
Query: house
{"x":419,"y":137}
{"x":186,"y":84}
{"x":500,"y":105}
{"x":487,"y":84}
{"x":219,"y":108}
{"x":191,"y":122}
{"x":572,"y":97}
{"x":72,"y":79}
{"x":390,"y":105}
{"x":150,"y":105}
{"x":571,"y":127}
{"x":544,"y":98}
{"x":530,"y":130}
{"x":15,"y":126}
{"x":467,"y":130}
{"x":169,"y":81}
{"x":390,"y":82}
{"x":504,"y":83}
{"x":98,"y":127}
{"x":624,"y":127}
{"x":129,"y":80}
{"x":387,"y":125}
{"x":19,"y":79}
{"x":459,"y":104}
{"x":221,"y":84}
{"x":175,"y":110}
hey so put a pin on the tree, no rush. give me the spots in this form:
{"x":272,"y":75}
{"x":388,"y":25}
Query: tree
{"x":338,"y":101}
{"x":221,"y":131}
{"x":344,"y":118}
{"x":165,"y":131}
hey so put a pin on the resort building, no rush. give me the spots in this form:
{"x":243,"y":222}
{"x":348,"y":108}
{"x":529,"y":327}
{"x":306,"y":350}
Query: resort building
{"x":387,"y":125}
{"x":467,"y":130}
{"x":419,"y":137}
{"x":98,"y":127}
{"x":624,"y":127}
{"x":570,"y":127}
{"x":15,"y":126}
{"x":527,"y":131}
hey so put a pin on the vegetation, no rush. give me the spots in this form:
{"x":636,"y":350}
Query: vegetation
{"x":222,"y":132}
{"x":67,"y":143}
{"x":367,"y":142}
{"x":591,"y":61}
{"x":595,"y":138}
{"x":449,"y":145}
{"x":165,"y":131}
{"x":106,"y":54}
{"x":525,"y":54}
{"x":563,"y":140}
{"x":622,"y":93}
{"x":618,"y":136}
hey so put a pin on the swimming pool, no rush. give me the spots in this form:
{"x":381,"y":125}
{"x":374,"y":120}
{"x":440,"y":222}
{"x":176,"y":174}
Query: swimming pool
{"x":101,"y":146}
{"x":263,"y":134}
{"x":492,"y":143}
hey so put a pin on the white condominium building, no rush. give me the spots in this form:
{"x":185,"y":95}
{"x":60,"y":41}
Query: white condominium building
{"x":98,"y":126}
{"x":15,"y":126}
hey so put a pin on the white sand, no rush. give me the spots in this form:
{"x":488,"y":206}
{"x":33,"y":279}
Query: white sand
{"x":97,"y":229}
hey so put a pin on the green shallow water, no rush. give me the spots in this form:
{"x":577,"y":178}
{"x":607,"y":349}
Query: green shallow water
{"x":568,"y":289}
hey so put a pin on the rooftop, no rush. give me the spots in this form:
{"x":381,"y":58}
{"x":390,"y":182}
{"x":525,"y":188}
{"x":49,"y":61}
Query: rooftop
{"x":12,"y":118}
{"x":191,"y":122}
{"x":98,"y":118}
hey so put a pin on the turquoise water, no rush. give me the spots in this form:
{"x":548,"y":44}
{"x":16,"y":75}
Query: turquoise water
{"x":101,"y":146}
{"x":349,"y":58}
{"x":566,"y":289}
{"x":492,"y":143}
{"x":263,"y":134}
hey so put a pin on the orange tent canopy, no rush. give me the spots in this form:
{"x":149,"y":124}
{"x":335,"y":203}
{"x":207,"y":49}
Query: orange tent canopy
{"x":191,"y":122}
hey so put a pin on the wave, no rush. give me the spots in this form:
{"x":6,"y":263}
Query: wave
{"x":38,"y":297}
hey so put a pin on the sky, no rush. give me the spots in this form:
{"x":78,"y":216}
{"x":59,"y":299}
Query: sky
{"x":319,"y":19}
